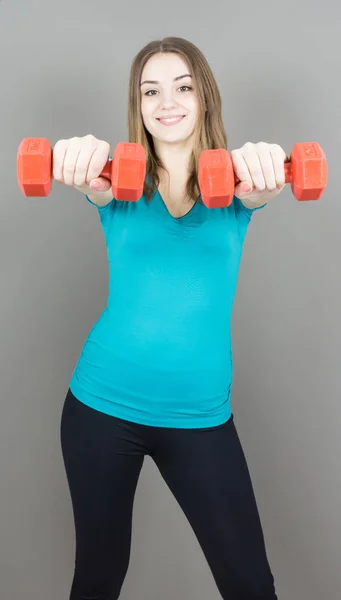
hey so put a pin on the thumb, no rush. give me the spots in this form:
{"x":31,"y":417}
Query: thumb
{"x":100,"y":184}
{"x":243,"y":188}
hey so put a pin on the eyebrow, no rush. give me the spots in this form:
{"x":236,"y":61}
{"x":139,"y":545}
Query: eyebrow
{"x":175,"y":79}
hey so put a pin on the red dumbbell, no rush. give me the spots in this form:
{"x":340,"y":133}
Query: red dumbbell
{"x":126,"y":170}
{"x":306,"y":170}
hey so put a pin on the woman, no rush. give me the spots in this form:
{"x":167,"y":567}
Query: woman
{"x":155,"y":372}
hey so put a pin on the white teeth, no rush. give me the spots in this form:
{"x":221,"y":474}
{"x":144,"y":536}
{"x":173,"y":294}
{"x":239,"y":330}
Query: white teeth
{"x":171,"y":120}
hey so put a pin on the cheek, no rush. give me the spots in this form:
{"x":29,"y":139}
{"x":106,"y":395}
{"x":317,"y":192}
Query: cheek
{"x":192,"y":105}
{"x":147,"y":110}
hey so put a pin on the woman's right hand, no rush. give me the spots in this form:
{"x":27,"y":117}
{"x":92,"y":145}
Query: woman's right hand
{"x":78,"y":161}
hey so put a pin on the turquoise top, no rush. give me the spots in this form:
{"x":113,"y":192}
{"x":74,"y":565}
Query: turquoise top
{"x":160,"y":353}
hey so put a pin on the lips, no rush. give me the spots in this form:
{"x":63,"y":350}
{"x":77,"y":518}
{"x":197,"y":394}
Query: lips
{"x":171,"y":119}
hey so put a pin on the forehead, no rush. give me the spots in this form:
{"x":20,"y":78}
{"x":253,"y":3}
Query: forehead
{"x":164,"y":67}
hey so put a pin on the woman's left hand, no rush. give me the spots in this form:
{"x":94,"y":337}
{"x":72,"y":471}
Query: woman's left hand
{"x":260,"y":169}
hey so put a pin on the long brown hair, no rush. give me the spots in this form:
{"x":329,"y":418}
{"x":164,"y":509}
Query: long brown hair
{"x":210,"y":132}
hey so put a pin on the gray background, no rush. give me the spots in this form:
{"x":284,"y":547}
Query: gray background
{"x":64,"y":68}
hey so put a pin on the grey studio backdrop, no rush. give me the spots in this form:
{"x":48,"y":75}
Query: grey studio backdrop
{"x":64,"y":72}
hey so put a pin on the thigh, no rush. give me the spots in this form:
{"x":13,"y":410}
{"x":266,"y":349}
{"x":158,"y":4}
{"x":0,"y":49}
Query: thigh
{"x":207,"y":472}
{"x":103,"y":457}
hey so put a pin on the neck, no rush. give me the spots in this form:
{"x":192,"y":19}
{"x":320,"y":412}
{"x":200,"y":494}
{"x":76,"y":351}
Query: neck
{"x":175,"y":157}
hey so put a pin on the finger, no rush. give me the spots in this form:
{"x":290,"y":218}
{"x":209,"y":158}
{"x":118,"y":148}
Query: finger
{"x":278,"y":157}
{"x":70,"y":161}
{"x":58,"y":155}
{"x":252,"y":160}
{"x":90,"y":162}
{"x":98,"y":161}
{"x":82,"y":165}
{"x":100,"y":184}
{"x":242,"y":172}
{"x":267,"y":166}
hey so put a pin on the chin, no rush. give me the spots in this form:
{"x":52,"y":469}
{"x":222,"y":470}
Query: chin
{"x":173,"y":137}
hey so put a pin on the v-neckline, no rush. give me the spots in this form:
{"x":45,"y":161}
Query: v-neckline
{"x":184,"y":217}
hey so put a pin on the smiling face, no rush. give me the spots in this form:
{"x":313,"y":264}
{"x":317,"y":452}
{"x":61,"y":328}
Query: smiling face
{"x":169,"y":103}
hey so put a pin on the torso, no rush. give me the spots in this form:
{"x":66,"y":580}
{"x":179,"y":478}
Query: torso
{"x":160,"y":353}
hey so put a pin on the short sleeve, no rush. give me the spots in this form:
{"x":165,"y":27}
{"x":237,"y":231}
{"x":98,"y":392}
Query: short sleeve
{"x":243,"y":215}
{"x":101,"y":209}
{"x":105,"y":212}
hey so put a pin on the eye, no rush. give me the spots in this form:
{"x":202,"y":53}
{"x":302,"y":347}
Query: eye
{"x":183,"y":88}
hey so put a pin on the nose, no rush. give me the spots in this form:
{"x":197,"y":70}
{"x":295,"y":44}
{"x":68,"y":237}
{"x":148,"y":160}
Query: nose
{"x":167,"y":100}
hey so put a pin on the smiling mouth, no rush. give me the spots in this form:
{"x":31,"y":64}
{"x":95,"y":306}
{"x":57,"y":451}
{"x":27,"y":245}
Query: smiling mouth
{"x":170,"y":120}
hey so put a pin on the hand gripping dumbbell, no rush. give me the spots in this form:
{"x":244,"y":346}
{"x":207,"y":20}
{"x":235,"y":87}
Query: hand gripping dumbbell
{"x":306,"y":171}
{"x":126,"y":170}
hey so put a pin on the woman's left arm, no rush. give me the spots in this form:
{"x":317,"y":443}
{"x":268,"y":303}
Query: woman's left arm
{"x":260,"y":169}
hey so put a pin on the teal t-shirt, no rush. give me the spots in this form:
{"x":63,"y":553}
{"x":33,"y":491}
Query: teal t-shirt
{"x":160,"y":353}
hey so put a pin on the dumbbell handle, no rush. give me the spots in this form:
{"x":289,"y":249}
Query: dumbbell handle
{"x":287,"y":173}
{"x":107,"y":170}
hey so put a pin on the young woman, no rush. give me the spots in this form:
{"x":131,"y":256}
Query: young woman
{"x":154,"y":375}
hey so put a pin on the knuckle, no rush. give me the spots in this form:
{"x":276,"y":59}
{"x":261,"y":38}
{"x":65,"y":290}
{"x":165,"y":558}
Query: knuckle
{"x":278,"y":152}
{"x":59,"y":144}
{"x":236,"y":154}
{"x":59,"y":149}
{"x":105,"y":145}
{"x":73,"y":142}
{"x":91,"y":141}
{"x":249,"y":146}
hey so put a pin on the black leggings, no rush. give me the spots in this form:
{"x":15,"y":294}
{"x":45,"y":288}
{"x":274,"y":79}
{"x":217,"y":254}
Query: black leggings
{"x":206,"y":471}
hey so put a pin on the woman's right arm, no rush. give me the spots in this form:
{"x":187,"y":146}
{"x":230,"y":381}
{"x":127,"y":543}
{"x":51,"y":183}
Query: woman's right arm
{"x":78,"y":161}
